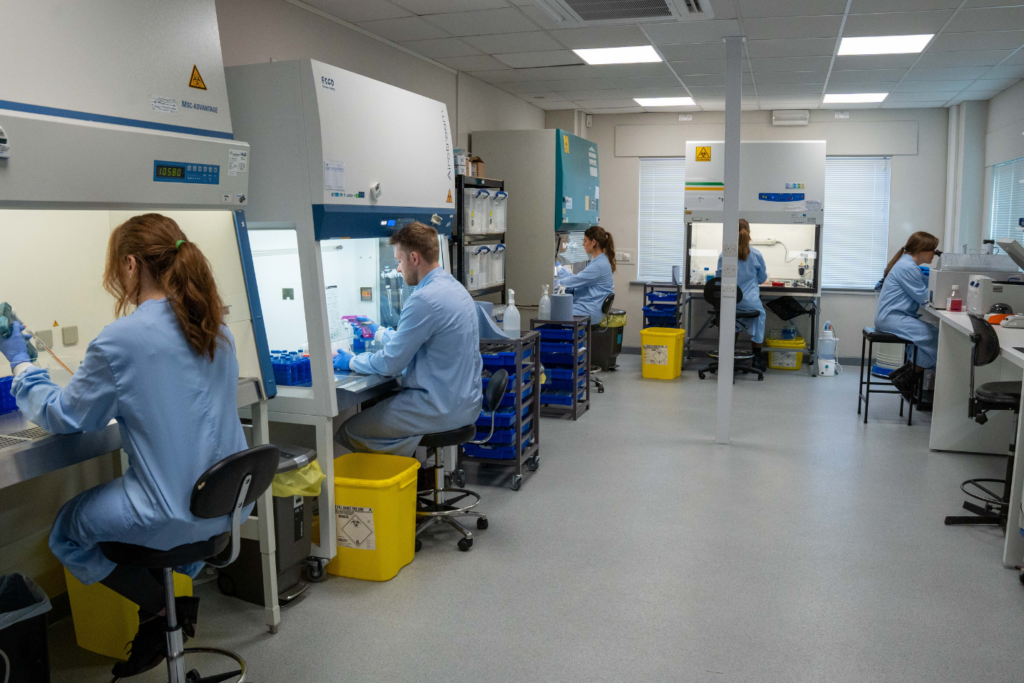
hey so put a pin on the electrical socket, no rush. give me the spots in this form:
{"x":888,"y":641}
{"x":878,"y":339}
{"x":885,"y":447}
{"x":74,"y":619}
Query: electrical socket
{"x":623,"y":257}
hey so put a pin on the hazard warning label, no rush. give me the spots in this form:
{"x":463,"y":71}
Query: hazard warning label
{"x":355,"y":528}
{"x":196,"y":81}
{"x":449,"y":201}
{"x":703,"y":154}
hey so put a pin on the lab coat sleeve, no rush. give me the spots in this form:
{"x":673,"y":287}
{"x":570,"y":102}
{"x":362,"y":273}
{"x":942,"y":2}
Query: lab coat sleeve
{"x":590,"y":275}
{"x":762,"y":270}
{"x":415,"y":327}
{"x":87,"y":404}
{"x":384,"y":335}
{"x":912,"y":281}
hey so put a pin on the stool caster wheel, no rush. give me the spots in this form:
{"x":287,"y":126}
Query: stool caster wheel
{"x":459,"y":476}
{"x":482,"y":523}
{"x":760,"y":378}
{"x":313,"y":572}
{"x":516,"y":483}
{"x":1021,"y":576}
{"x":226,"y":585}
{"x":465,"y":544}
{"x":700,"y":374}
{"x":533,"y":463}
{"x":419,"y":545}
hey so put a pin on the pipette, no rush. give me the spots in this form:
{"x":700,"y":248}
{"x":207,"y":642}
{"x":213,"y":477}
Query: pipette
{"x":7,"y":319}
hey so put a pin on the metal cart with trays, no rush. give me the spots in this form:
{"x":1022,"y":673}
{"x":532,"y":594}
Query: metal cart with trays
{"x":516,"y":438}
{"x":565,"y":355}
{"x":663,"y":305}
{"x":462,"y":237}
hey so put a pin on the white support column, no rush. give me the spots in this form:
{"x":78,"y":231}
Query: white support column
{"x":325,"y":547}
{"x":265,"y":511}
{"x":730,"y":234}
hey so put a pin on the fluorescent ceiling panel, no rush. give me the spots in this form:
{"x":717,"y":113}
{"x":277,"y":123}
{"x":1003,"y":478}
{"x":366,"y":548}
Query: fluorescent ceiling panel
{"x":619,"y":55}
{"x":884,"y":45}
{"x":664,"y":101}
{"x":855,"y":98}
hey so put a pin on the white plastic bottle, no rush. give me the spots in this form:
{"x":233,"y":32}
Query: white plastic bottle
{"x":544,"y":307}
{"x":953,"y":302}
{"x":511,"y":324}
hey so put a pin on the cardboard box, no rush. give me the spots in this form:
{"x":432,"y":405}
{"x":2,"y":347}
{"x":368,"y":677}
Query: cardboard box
{"x":474,"y":167}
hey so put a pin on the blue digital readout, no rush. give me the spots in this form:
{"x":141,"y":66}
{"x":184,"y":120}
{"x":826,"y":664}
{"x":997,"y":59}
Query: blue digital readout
{"x":183,"y":172}
{"x":781,"y":196}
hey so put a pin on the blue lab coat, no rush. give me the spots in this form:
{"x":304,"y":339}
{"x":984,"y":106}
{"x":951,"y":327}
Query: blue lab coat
{"x":177,"y":415}
{"x":436,"y":350}
{"x":904,"y":291}
{"x":750,"y":274}
{"x":591,"y":287}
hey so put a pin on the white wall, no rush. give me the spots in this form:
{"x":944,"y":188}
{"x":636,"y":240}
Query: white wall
{"x":1003,"y":139}
{"x":484,"y":107}
{"x":917,"y":191}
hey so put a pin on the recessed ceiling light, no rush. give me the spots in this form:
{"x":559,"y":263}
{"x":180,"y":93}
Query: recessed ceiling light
{"x":884,"y":45}
{"x":856,"y":98}
{"x":664,"y":101}
{"x":619,"y":55}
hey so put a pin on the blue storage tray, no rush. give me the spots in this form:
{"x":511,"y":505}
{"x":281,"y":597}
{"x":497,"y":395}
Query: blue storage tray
{"x":509,"y":400}
{"x":493,"y":452}
{"x":503,"y":358}
{"x":511,"y":389}
{"x":556,"y":347}
{"x":561,"y":373}
{"x":564,"y":359}
{"x":7,"y":402}
{"x":505,"y":417}
{"x":501,"y":436}
{"x":660,"y":309}
{"x":662,"y":296}
{"x":560,"y":385}
{"x":560,"y":333}
{"x":559,"y":398}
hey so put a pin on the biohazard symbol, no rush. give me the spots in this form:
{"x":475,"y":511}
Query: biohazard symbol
{"x":196,"y":81}
{"x":703,"y":154}
{"x":449,"y":200}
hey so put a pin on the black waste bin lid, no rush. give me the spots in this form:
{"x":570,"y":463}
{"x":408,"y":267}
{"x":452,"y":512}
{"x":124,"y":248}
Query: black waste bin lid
{"x":294,"y":457}
{"x":616,"y":311}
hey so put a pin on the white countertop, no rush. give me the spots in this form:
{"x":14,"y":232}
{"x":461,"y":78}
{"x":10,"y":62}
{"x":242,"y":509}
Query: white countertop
{"x":1009,"y":339}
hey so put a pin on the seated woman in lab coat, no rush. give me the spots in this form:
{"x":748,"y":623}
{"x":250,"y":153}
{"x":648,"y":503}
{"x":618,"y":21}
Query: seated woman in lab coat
{"x":750,"y":273}
{"x":592,"y":285}
{"x":904,"y":291}
{"x":169,"y":375}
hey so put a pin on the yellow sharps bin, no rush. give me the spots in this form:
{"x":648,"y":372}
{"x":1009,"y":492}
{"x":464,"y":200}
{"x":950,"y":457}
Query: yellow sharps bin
{"x":662,"y":349}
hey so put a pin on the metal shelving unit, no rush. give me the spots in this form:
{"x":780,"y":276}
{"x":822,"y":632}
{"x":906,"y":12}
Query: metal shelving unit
{"x":666,"y":288}
{"x":460,"y":240}
{"x":577,"y":333}
{"x":518,"y":357}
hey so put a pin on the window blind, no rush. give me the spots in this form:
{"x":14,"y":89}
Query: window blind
{"x":662,"y":224}
{"x":1007,"y":201}
{"x":855,"y":240}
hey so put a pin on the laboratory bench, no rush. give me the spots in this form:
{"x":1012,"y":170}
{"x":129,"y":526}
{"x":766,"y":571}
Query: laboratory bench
{"x":28,"y":451}
{"x":953,"y":430}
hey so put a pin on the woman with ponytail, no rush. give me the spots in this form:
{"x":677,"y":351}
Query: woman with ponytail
{"x":904,"y":291}
{"x":594,"y":283}
{"x":169,"y":376}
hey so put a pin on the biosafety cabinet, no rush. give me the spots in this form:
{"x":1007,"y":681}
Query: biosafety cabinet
{"x":553,"y":181}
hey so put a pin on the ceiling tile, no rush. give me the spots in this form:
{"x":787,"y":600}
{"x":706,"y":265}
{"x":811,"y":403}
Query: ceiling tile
{"x":703,"y":91}
{"x":869,"y":62}
{"x":639,"y":83}
{"x":979,"y":94}
{"x":692,"y":32}
{"x":791,"y":77}
{"x":774,"y":89}
{"x":1015,"y":58}
{"x":519,"y":87}
{"x":404,"y":30}
{"x":441,"y":6}
{"x":723,"y":9}
{"x":590,"y":94}
{"x":483,"y":22}
{"x":606,"y":104}
{"x":872,"y":6}
{"x":359,"y":10}
{"x":992,"y":83}
{"x":974,"y":4}
{"x":751,"y":9}
{"x":538,"y":16}
{"x":957,"y":74}
{"x":921,"y":96}
{"x":914,"y":105}
{"x":692,"y":53}
{"x":581,"y":84}
{"x":989,"y":19}
{"x":708,"y":66}
{"x":924,"y":86}
{"x":712,"y":79}
{"x":600,"y":36}
{"x":526,"y":60}
{"x":793,"y":27}
{"x":633,"y":70}
{"x":809,"y":47}
{"x":896,"y":23}
{"x":971,"y":58}
{"x":791,"y":64}
{"x":1016,"y":71}
{"x":506,"y":76}
{"x":558,"y":73}
{"x":981,"y":40}
{"x":441,"y":47}
{"x":789,"y":103}
{"x":869,"y":105}
{"x":473,"y":63}
{"x":620,"y":110}
{"x":552,"y":104}
{"x":657,"y":92}
{"x":883,"y":75}
{"x":872,"y":86}
{"x":507,"y":43}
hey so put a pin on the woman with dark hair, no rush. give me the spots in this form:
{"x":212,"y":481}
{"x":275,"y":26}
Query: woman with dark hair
{"x":751,"y":272}
{"x":169,"y":376}
{"x":592,"y":285}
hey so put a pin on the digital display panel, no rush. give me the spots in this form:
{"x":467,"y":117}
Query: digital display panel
{"x":170,"y":171}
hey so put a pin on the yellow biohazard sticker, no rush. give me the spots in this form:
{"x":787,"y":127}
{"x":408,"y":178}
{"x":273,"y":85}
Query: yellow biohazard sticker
{"x":55,"y":324}
{"x":565,"y":143}
{"x":196,"y":81}
{"x":703,"y":154}
{"x":449,"y":200}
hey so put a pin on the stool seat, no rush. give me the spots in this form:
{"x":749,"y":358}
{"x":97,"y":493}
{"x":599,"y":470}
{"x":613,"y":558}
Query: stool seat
{"x":745,"y":315}
{"x":151,"y":558}
{"x":871,"y":334}
{"x":1003,"y":393}
{"x":453,"y":437}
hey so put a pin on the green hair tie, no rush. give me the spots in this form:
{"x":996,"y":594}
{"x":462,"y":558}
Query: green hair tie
{"x":177,"y":245}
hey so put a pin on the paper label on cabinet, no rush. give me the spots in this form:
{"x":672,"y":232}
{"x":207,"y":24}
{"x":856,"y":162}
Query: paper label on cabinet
{"x":334,"y":176}
{"x":334,"y":320}
{"x":168,"y":105}
{"x":355,"y":528}
{"x":238,"y":161}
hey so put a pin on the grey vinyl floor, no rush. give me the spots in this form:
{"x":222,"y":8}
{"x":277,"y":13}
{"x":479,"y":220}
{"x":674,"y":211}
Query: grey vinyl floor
{"x":810,"y":549}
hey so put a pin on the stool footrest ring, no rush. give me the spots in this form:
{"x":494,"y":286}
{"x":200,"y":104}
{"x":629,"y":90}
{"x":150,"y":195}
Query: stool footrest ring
{"x":425,"y":507}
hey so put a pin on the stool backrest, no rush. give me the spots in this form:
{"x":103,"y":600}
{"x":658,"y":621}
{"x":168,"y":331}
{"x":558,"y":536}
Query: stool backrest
{"x":607,"y":305}
{"x":713,"y":292}
{"x":495,"y":390}
{"x":986,"y":341}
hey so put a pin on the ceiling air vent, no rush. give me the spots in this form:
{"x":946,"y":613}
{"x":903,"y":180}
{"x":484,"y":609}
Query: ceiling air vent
{"x":591,"y":12}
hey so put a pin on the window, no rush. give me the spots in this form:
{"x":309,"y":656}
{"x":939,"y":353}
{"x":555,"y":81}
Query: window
{"x":1007,"y":201}
{"x":856,"y":231}
{"x":662,"y":238}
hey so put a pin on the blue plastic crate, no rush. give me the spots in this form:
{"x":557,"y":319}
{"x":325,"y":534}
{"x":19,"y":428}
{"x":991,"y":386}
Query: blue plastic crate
{"x":527,"y":377}
{"x":290,"y":369}
{"x":504,"y":417}
{"x":560,"y":333}
{"x":563,"y":359}
{"x":503,"y":358}
{"x":562,"y":373}
{"x":493,"y":452}
{"x":559,"y":398}
{"x":663,"y":296}
{"x":501,"y":436}
{"x":7,"y":402}
{"x":508,"y":400}
{"x":556,"y":347}
{"x":560,"y":385}
{"x":660,"y":309}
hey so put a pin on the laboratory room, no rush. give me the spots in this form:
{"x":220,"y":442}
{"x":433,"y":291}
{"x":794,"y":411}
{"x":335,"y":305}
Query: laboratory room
{"x":511,"y":340}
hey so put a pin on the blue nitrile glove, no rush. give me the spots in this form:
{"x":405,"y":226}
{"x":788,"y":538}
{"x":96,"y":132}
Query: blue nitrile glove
{"x":366,"y":322}
{"x":342,"y":360}
{"x":13,"y":347}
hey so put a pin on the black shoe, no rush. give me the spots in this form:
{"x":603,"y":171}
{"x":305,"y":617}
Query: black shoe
{"x":187,"y":609}
{"x":147,"y":651}
{"x":905,"y":380}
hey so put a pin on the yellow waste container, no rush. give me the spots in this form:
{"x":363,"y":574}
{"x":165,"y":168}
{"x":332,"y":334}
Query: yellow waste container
{"x":105,"y":622}
{"x":375,"y":504}
{"x":662,"y":349}
{"x":782,"y":359}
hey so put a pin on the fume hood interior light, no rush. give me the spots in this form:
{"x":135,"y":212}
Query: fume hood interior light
{"x":619,"y":55}
{"x":856,"y":98}
{"x":884,"y":45}
{"x":664,"y":101}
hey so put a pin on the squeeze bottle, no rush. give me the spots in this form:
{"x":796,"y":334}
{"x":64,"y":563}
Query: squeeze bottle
{"x":511,"y":322}
{"x":544,"y":307}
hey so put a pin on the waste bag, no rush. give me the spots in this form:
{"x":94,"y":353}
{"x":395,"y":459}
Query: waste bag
{"x":24,"y":657}
{"x":304,"y":481}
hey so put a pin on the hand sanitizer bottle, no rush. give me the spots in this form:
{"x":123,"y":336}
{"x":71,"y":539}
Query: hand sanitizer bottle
{"x":511,"y":322}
